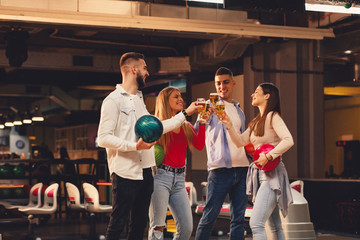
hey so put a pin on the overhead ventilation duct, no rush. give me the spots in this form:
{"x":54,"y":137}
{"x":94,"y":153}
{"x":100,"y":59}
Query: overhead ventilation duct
{"x":174,"y":65}
{"x":193,"y":13}
{"x":269,"y":6}
{"x":219,"y":50}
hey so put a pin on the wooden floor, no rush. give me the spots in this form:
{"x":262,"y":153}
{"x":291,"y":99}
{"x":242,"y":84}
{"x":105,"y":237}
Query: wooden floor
{"x":78,"y":228}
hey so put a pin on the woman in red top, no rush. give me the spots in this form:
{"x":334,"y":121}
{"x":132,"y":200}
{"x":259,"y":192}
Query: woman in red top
{"x":169,"y":181}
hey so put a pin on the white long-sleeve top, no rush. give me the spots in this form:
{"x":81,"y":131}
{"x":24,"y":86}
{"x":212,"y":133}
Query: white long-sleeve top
{"x":119,"y":113}
{"x":275,"y":133}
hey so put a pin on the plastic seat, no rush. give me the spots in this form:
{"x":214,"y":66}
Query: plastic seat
{"x":49,"y":207}
{"x":92,"y":205}
{"x":50,"y":202}
{"x":34,"y":198}
{"x":73,"y":197}
{"x":297,"y":224}
{"x":190,"y":188}
{"x":298,"y":185}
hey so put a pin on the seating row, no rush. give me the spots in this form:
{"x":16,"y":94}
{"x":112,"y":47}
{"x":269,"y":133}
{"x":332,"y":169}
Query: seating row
{"x":35,"y":208}
{"x":91,"y":204}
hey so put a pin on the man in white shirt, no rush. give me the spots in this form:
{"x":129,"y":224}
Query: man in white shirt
{"x":130,"y":159}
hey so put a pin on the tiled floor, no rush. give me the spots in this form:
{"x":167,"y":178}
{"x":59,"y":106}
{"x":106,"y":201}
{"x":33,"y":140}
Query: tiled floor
{"x":69,"y":229}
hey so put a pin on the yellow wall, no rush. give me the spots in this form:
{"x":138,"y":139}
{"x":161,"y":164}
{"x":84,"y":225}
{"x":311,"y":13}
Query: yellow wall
{"x":342,"y":121}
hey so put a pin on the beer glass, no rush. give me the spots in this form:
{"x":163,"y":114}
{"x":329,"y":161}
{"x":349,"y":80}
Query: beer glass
{"x":220,"y":109}
{"x":206,"y":112}
{"x":214,"y":98}
{"x":202,"y":102}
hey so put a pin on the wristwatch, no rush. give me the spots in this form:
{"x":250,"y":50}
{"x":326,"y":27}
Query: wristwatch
{"x":185,"y":114}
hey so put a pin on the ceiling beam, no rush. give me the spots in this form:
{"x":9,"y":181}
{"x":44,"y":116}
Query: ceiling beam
{"x":44,"y":16}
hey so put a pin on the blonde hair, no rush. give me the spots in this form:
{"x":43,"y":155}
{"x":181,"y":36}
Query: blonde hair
{"x":163,"y":111}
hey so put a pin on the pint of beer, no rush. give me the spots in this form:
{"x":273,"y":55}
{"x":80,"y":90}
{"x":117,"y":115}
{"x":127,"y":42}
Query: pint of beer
{"x":202,"y":102}
{"x":220,"y":109}
{"x":206,"y":112}
{"x":214,"y":98}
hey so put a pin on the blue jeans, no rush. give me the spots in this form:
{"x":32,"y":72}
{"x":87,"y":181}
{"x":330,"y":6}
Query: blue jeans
{"x":265,"y":208}
{"x":169,"y":190}
{"x":223,"y":181}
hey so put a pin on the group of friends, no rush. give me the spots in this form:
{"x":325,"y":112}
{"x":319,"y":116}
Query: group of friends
{"x":142,"y":192}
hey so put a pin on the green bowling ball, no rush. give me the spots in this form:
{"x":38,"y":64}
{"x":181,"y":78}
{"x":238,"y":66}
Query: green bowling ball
{"x":159,"y":154}
{"x":19,"y":170}
{"x":6,"y":170}
{"x":18,"y":192}
{"x":5,"y":192}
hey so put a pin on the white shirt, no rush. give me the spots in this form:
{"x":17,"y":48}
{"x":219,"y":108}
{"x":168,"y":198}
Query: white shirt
{"x":238,"y":156}
{"x":119,"y":113}
{"x":276,"y":133}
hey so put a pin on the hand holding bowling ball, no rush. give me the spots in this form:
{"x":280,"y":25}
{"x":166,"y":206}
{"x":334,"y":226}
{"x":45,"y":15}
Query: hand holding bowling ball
{"x":141,"y":145}
{"x":259,"y":158}
{"x":149,"y":128}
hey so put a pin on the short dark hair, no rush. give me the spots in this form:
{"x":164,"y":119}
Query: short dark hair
{"x":132,"y":55}
{"x":223,"y":71}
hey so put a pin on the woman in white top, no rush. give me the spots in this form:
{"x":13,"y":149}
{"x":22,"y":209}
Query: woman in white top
{"x":270,"y":189}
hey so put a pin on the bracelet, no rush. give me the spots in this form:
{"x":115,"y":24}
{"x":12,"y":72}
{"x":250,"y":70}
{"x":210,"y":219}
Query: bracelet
{"x":185,"y":114}
{"x":267,"y":157}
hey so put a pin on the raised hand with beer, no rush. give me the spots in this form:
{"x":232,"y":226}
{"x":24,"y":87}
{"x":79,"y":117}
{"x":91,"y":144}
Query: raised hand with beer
{"x":207,"y":110}
{"x":200,"y":102}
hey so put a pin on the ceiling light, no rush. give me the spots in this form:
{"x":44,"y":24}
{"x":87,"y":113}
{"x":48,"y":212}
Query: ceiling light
{"x":2,"y":125}
{"x":17,"y":120}
{"x":27,"y":119}
{"x":208,"y":1}
{"x":37,"y":117}
{"x":8,"y":123}
{"x":331,"y":6}
{"x":348,"y":52}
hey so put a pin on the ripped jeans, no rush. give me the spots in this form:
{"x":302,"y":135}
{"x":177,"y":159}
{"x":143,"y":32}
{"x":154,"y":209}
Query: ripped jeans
{"x":169,"y":190}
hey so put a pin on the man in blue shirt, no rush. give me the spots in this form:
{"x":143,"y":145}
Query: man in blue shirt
{"x":227,"y":164}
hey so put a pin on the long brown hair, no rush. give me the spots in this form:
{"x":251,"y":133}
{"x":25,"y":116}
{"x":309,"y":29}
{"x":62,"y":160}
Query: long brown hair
{"x":163,"y":111}
{"x":273,"y":104}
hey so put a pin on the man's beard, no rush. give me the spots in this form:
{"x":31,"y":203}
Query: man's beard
{"x":140,"y":81}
